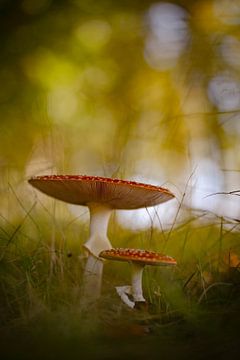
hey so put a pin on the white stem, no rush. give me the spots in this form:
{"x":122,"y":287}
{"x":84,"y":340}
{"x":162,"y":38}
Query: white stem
{"x":137,"y":270}
{"x":92,"y":278}
{"x":99,"y":218}
{"x":98,"y":241}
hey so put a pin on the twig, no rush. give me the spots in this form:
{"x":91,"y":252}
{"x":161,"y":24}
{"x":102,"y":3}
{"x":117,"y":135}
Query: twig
{"x":234,"y":192}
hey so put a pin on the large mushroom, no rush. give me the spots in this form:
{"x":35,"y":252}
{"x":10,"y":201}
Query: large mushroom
{"x":138,"y":259}
{"x":101,"y":195}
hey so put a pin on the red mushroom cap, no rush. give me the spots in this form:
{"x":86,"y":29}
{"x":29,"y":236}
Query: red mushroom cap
{"x":137,"y":255}
{"x":117,"y":194}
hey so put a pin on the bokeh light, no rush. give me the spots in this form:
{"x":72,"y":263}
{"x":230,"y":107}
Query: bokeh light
{"x":227,"y":11}
{"x":147,"y":91}
{"x":224,"y":92}
{"x":168,"y":34}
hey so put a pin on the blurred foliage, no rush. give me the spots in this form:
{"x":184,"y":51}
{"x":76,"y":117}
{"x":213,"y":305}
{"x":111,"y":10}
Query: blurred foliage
{"x":82,"y":92}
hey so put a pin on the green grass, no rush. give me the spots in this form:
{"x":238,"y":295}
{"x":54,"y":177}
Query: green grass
{"x":193,"y":308}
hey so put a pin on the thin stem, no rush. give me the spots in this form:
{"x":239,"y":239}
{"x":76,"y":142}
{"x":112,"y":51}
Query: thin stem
{"x":92,"y":278}
{"x":98,"y":241}
{"x":99,"y":218}
{"x":137,"y":270}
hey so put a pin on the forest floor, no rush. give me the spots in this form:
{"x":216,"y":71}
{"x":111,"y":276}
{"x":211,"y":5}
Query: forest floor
{"x":194,"y":309}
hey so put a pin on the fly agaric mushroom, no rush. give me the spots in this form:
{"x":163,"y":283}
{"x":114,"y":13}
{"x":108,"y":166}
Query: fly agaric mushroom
{"x":101,"y":195}
{"x":138,"y":258}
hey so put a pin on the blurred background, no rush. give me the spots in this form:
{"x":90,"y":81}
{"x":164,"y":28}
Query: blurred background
{"x":140,"y":90}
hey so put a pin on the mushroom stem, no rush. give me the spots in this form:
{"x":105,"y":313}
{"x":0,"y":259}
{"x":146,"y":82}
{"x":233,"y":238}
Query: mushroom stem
{"x":99,"y":218}
{"x":92,"y":278}
{"x":137,"y":271}
{"x":98,"y":241}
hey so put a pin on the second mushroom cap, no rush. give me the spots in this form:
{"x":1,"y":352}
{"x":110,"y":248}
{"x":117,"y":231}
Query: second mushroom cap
{"x":137,"y":255}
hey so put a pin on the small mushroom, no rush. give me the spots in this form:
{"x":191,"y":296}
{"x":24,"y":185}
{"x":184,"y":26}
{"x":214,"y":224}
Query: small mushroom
{"x":138,"y":258}
{"x":101,"y":195}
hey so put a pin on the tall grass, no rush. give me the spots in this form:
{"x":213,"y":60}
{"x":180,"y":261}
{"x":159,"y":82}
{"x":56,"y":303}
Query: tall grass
{"x":41,"y":267}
